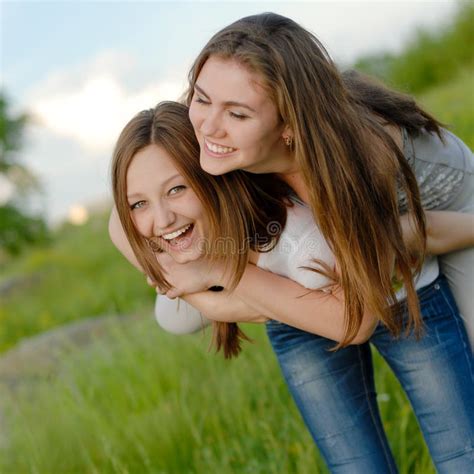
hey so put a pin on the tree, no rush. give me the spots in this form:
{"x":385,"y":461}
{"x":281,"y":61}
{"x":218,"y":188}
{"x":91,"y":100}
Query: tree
{"x":18,"y":227}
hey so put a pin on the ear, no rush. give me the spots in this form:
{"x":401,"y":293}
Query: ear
{"x":288,"y":137}
{"x":287,"y":133}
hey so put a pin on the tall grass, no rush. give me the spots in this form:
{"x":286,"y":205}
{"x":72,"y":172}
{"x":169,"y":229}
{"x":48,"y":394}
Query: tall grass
{"x":142,"y":401}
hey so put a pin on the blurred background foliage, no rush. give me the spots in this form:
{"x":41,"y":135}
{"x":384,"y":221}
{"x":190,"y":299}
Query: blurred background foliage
{"x":140,"y":400}
{"x":430,"y":58}
{"x":19,"y":226}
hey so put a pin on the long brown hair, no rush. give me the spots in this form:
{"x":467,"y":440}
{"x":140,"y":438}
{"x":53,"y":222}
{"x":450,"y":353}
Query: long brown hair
{"x":238,"y":209}
{"x":350,"y":165}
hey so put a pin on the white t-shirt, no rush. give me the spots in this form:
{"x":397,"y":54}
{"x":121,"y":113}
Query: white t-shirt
{"x":178,"y":317}
{"x":300,"y":243}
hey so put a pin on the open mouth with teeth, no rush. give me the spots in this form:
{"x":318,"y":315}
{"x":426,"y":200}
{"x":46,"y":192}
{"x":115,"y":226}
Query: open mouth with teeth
{"x":218,"y":150}
{"x":179,"y":239}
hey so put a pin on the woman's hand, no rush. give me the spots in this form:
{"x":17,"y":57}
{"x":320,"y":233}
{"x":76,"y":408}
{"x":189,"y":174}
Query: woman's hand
{"x":192,"y":277}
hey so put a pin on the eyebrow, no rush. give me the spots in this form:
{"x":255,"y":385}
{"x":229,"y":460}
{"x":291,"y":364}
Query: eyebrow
{"x":229,"y":103}
{"x":137,"y":195}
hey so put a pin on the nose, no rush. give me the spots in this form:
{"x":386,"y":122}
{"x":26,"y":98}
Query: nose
{"x":163,"y":218}
{"x":211,"y":124}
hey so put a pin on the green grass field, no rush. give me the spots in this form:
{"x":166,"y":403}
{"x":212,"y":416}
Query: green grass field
{"x":138,"y":400}
{"x":142,"y":401}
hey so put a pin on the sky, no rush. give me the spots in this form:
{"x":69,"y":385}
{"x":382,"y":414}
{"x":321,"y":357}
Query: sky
{"x":82,"y":69}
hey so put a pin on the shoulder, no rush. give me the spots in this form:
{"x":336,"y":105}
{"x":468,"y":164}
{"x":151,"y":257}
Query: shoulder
{"x":448,"y":150}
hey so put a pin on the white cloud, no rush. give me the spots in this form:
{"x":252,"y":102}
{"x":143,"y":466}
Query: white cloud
{"x":79,"y":113}
{"x":91,"y":105}
{"x":68,"y":174}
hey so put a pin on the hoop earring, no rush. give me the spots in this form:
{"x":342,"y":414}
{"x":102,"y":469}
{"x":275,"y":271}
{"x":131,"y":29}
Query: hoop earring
{"x":288,"y":141}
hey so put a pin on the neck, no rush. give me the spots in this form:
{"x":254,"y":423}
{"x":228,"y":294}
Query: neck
{"x":281,"y":161}
{"x":294,"y":179}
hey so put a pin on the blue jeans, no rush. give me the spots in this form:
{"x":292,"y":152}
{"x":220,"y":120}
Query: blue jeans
{"x":335,"y":391}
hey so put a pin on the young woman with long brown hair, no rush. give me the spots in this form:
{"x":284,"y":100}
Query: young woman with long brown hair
{"x":265,"y":97}
{"x":158,"y":188}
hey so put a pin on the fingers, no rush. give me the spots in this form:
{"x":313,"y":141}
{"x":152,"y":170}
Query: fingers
{"x":173,"y":293}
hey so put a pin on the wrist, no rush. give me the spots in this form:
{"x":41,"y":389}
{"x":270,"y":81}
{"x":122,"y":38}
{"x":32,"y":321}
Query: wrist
{"x":216,"y":277}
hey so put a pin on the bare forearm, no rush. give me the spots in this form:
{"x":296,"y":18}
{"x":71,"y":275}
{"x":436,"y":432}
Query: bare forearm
{"x":223,"y":306}
{"x":288,"y":302}
{"x":449,"y":231}
{"x":446,"y":231}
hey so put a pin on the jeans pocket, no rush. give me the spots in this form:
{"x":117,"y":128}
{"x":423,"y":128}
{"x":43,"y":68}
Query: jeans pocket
{"x":436,"y":300}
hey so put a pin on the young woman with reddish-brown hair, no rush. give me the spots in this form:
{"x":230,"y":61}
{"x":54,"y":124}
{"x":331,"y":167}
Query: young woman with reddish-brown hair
{"x":156,"y":175}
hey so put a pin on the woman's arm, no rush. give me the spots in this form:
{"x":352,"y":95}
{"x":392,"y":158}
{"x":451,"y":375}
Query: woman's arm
{"x":446,"y":231}
{"x":223,"y":306}
{"x":261,"y":292}
{"x":315,"y":311}
{"x":321,"y":313}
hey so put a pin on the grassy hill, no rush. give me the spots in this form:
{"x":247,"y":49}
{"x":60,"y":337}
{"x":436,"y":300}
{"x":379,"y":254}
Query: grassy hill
{"x":431,"y":57}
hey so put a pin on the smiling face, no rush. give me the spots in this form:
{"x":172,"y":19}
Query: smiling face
{"x":235,"y":121}
{"x":164,"y":206}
